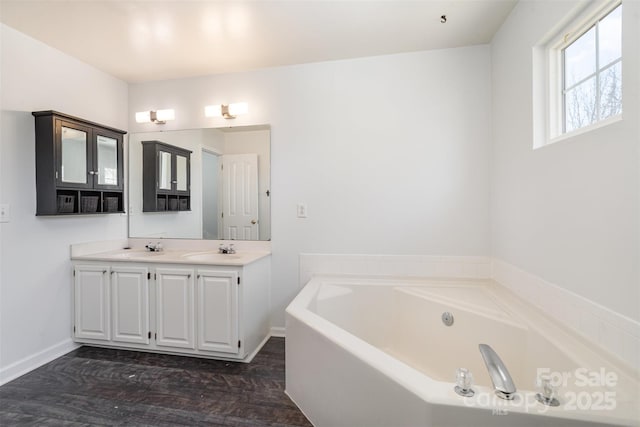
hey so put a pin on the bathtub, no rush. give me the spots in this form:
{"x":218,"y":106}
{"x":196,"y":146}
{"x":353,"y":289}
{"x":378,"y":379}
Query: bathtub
{"x":375,"y":352}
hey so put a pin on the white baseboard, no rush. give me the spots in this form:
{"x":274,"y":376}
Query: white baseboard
{"x":29,"y":363}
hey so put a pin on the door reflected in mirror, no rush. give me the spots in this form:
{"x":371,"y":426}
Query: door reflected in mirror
{"x":240,"y":197}
{"x":230,"y":185}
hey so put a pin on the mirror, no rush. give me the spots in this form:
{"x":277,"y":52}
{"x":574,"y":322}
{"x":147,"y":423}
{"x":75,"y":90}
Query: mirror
{"x":107,"y":160}
{"x":74,"y":156}
{"x":165,"y":171}
{"x":181,"y":173}
{"x":230,"y":184}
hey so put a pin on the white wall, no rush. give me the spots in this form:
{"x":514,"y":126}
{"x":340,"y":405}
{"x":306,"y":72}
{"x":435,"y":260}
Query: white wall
{"x":568,"y":212}
{"x":391,"y":153}
{"x":35,"y":271}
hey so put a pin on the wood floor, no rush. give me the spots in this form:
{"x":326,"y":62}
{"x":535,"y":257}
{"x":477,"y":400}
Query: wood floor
{"x":94,"y":386}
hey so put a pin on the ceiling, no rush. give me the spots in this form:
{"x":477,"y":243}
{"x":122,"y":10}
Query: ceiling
{"x":147,"y":40}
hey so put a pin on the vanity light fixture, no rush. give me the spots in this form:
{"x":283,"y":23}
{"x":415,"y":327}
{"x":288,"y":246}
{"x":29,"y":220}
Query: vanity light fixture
{"x":227,"y":111}
{"x":159,"y":117}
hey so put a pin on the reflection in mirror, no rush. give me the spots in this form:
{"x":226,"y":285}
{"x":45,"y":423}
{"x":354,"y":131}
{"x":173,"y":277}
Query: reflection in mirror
{"x":230,"y":185}
{"x":107,"y":161}
{"x":165,"y":171}
{"x":74,"y":156}
{"x":181,"y":173}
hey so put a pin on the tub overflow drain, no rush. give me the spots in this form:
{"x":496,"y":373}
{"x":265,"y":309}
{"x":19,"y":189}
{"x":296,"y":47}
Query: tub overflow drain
{"x":447,"y":318}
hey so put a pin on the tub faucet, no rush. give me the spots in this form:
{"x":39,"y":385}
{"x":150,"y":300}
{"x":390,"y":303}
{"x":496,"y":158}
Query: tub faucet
{"x":502,"y":382}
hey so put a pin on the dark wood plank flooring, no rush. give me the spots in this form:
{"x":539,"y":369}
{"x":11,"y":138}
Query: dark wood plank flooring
{"x":96,"y":386}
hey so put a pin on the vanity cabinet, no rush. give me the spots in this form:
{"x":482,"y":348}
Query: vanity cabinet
{"x":166,"y":182}
{"x":111,"y":303}
{"x":175,"y":307}
{"x":217,"y":310}
{"x":79,"y":166}
{"x":202,"y":299}
{"x":199,"y":310}
{"x":91,"y":300}
{"x":130,"y":304}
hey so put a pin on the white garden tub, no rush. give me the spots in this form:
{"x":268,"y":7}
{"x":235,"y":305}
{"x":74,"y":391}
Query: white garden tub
{"x":375,"y":352}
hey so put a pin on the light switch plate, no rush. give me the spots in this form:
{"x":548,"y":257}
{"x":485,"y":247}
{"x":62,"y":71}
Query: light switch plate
{"x":5,"y":212}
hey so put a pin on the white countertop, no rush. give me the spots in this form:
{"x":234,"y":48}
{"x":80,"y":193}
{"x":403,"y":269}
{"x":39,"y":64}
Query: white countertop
{"x":175,"y":256}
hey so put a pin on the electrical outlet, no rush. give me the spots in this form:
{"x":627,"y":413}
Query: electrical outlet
{"x":5,"y":212}
{"x":302,"y":210}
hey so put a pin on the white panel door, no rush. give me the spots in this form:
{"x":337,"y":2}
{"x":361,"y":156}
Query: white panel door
{"x":130,"y":304}
{"x":175,"y":307}
{"x":217,"y":303}
{"x":91,"y":294}
{"x":240,"y":196}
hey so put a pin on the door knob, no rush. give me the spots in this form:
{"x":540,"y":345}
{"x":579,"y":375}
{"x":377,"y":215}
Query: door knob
{"x":254,"y":222}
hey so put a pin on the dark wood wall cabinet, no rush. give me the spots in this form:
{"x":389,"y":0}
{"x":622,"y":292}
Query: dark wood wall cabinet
{"x":166,"y":182}
{"x":79,"y":166}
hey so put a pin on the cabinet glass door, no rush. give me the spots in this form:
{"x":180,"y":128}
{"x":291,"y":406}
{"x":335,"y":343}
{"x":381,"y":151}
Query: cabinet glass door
{"x":164,"y":170}
{"x":73,"y":156}
{"x":107,"y":157}
{"x":181,"y":173}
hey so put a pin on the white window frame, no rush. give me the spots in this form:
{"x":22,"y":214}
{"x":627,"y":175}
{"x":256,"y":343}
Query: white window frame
{"x":548,"y":86}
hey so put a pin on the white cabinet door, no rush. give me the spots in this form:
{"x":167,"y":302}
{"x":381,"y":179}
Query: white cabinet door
{"x":91,"y":294}
{"x":130,"y":304}
{"x":175,"y":307}
{"x":217,"y":308}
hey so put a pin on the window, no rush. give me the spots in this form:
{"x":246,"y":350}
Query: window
{"x":592,"y":73}
{"x":577,"y":74}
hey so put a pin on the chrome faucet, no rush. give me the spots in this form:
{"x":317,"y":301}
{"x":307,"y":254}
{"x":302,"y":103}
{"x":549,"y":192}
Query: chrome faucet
{"x":502,"y":382}
{"x":154,"y":248}
{"x":222,"y":249}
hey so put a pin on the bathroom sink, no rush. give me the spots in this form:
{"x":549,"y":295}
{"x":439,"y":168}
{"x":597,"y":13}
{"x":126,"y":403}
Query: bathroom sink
{"x":134,"y":254}
{"x":210,"y":257}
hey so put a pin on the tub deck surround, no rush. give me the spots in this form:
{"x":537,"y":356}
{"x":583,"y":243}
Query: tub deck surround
{"x":466,"y":267}
{"x":374,"y":351}
{"x":614,"y":333}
